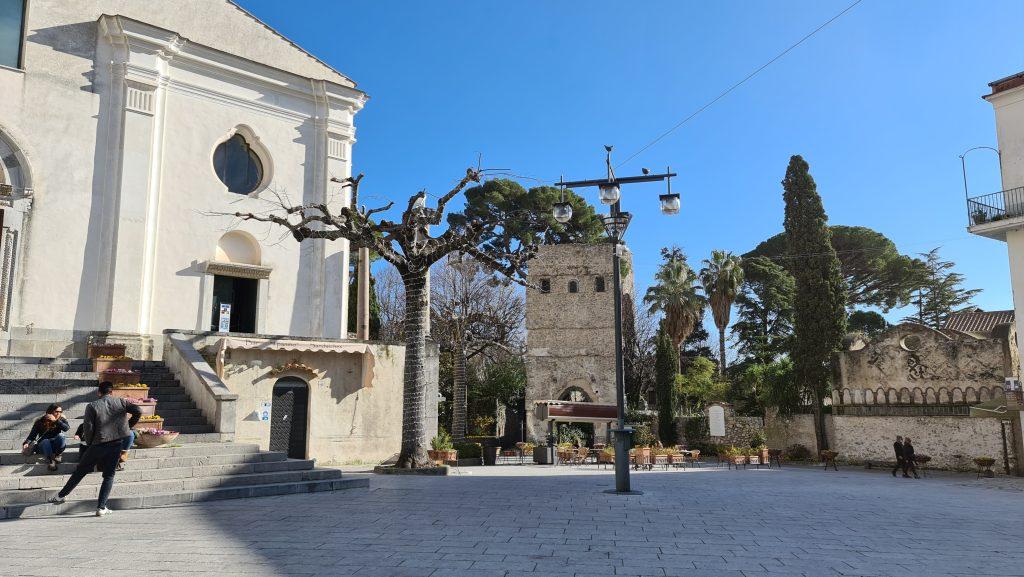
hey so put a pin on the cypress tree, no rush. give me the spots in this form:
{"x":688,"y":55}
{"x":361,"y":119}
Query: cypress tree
{"x":819,"y":319}
{"x":666,"y":367}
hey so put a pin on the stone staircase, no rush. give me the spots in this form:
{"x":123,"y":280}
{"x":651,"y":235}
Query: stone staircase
{"x":200,"y":465}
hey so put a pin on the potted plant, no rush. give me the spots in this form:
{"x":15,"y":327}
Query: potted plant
{"x":145,"y":404}
{"x":441,"y":447}
{"x":150,"y":438}
{"x":606,"y":456}
{"x":118,"y":376}
{"x":985,"y":466}
{"x":131,"y":390}
{"x":759,"y":444}
{"x":105,"y":363}
{"x":979,"y":216}
{"x":150,"y":422}
{"x":97,"y":350}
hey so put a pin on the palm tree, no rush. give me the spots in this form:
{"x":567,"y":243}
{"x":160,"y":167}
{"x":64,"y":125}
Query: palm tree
{"x":722,"y":277}
{"x":675,"y":294}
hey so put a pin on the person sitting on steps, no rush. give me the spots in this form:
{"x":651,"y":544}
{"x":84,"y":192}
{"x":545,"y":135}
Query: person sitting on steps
{"x":104,"y":429}
{"x":49,"y":429}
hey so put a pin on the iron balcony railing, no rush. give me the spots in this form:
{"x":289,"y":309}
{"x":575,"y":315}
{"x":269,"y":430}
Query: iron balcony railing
{"x":996,"y":206}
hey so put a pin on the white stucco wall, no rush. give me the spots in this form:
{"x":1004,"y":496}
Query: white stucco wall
{"x":121,"y":217}
{"x":1009,"y":111}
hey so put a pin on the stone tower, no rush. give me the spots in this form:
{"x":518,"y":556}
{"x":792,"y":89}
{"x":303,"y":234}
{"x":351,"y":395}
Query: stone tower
{"x":570,"y":324}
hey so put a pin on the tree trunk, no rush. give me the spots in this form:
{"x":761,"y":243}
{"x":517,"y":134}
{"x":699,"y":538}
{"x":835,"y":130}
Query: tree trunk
{"x":417,"y":309}
{"x":721,"y":351}
{"x":459,"y":404}
{"x":819,"y":423}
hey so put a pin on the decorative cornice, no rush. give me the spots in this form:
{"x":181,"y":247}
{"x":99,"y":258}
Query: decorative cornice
{"x":237,"y":270}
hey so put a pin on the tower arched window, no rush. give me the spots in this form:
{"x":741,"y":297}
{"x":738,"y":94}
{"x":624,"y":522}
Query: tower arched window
{"x":237,"y":165}
{"x":574,"y":287}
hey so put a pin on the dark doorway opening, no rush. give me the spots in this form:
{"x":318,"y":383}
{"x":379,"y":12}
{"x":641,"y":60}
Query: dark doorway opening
{"x":288,"y":416}
{"x":240,"y":293}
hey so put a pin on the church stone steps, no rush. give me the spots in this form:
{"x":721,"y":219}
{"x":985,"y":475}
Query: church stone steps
{"x":130,"y":488}
{"x":35,"y":466}
{"x":131,"y":474}
{"x":199,"y":466}
{"x":184,"y":497}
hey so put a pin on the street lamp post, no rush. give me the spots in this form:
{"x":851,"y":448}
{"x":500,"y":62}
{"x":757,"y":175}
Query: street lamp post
{"x":615,"y":223}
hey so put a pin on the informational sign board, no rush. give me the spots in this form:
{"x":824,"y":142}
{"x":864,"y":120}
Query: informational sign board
{"x":716,"y":420}
{"x":265,"y":411}
{"x":224,"y":322}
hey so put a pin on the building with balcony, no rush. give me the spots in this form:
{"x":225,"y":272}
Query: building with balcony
{"x":1000,"y":215}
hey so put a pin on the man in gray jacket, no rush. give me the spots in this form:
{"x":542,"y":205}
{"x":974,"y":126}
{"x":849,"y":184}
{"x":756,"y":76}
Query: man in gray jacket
{"x":104,"y":429}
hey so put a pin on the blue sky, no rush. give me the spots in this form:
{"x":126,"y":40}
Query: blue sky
{"x":880,"y":103}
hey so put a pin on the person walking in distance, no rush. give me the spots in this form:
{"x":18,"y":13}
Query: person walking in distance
{"x":908,"y":458}
{"x":106,"y":426}
{"x":897,"y":448}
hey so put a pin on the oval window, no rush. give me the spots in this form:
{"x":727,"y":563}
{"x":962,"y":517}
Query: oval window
{"x":237,"y":165}
{"x":911,"y":342}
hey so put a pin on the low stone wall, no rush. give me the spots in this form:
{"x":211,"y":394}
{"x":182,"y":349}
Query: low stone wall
{"x":952,"y":442}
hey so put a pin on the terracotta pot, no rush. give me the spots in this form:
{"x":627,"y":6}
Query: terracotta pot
{"x":131,"y":378}
{"x":131,"y":393}
{"x":101,"y":365}
{"x":739,"y":460}
{"x":764,"y":455}
{"x":106,"y":350}
{"x":158,"y":424}
{"x":442,"y":457}
{"x":146,"y":408}
{"x":753,"y":459}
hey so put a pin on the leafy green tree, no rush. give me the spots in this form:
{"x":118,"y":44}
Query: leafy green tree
{"x":939,"y":291}
{"x":722,"y":277}
{"x":765,"y":310}
{"x":675,"y":294}
{"x":765,"y":385}
{"x":819,"y":321}
{"x":505,"y":382}
{"x":875,"y":272}
{"x":869,"y":323}
{"x":697,"y":386}
{"x":525,"y":215}
{"x":666,"y":369}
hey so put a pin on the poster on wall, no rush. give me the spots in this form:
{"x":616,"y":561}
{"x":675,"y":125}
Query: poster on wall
{"x":264,"y":411}
{"x":224,"y":324}
{"x":716,"y":421}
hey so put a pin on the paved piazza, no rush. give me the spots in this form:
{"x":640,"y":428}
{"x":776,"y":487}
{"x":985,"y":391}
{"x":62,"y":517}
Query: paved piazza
{"x":533,"y":521}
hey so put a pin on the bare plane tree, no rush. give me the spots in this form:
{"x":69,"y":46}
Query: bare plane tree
{"x":474,"y":312}
{"x":408,"y":246}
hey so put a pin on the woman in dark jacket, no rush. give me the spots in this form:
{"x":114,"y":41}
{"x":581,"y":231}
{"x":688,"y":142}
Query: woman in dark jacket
{"x":909,"y":456}
{"x":49,"y":429}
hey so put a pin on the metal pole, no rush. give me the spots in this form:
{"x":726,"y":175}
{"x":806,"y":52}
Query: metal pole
{"x":623,"y":436}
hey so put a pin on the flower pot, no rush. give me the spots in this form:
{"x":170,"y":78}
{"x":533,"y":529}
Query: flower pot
{"x":103,"y":365}
{"x":764,"y":455}
{"x":134,"y":393}
{"x":145,"y":440}
{"x":106,"y":350}
{"x":147,"y":407}
{"x":738,"y":460}
{"x":754,"y":459}
{"x":157,"y":424}
{"x":121,"y":377}
{"x":442,"y":457}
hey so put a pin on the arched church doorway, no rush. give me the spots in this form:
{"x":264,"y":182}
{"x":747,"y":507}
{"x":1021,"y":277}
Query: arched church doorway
{"x":289,"y":415}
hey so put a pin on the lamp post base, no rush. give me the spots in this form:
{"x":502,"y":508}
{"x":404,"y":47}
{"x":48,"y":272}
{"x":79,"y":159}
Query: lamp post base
{"x":623,"y":442}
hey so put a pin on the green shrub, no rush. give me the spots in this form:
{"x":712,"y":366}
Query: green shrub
{"x":696,"y":430}
{"x":643,"y":436}
{"x":469,"y":450}
{"x":442,"y":441}
{"x":758,"y":440}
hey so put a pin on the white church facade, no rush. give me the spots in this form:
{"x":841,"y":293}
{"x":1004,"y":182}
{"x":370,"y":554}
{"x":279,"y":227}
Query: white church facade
{"x":130,"y":133}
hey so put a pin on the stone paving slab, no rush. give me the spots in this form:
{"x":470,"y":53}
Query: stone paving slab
{"x":538,"y":522}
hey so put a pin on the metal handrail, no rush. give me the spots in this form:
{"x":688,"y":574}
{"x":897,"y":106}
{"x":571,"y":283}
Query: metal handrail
{"x":995,"y":206}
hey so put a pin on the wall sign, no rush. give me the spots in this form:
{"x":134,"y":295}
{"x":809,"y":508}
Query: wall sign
{"x":224,"y":324}
{"x":265,"y":411}
{"x":716,"y":420}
